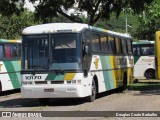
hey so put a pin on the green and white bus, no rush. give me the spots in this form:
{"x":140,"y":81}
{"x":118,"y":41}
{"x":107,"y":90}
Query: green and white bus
{"x":144,"y":60}
{"x":10,"y":64}
{"x":73,"y":60}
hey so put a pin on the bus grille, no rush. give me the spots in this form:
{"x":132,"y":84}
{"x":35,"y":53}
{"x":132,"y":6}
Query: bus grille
{"x":57,"y":82}
{"x":40,"y":82}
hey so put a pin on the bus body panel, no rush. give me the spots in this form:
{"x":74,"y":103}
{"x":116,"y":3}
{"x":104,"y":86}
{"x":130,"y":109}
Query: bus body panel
{"x":143,"y":64}
{"x":61,"y":86}
{"x":105,"y":68}
{"x":157,"y":53}
{"x":10,"y":75}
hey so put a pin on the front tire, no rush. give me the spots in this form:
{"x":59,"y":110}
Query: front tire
{"x":92,"y":97}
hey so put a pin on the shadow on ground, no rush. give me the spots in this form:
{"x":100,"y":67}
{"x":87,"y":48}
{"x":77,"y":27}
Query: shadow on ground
{"x":21,"y":102}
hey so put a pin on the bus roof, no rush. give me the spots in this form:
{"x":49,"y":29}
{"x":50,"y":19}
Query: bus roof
{"x":143,"y":42}
{"x":10,"y":41}
{"x":65,"y":27}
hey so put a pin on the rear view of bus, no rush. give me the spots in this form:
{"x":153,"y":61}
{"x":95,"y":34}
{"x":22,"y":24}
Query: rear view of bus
{"x":157,"y":54}
{"x":144,"y":60}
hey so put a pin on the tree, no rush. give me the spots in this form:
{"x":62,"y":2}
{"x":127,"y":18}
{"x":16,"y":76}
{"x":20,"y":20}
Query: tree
{"x":96,"y":9}
{"x":119,"y":24}
{"x":10,"y":7}
{"x":150,"y":21}
{"x":11,"y":26}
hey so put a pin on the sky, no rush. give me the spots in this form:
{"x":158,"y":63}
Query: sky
{"x":29,"y":5}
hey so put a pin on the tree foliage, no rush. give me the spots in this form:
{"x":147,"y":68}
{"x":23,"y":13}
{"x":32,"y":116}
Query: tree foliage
{"x":119,"y":24}
{"x":10,"y":7}
{"x":96,"y":9}
{"x":11,"y":26}
{"x":150,"y":21}
{"x":101,"y":13}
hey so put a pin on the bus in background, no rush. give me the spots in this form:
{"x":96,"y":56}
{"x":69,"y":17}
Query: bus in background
{"x":157,"y":54}
{"x":10,"y":65}
{"x":72,"y":60}
{"x":144,"y":59}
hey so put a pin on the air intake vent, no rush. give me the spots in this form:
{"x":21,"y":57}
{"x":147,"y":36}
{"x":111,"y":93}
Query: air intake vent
{"x":57,"y":82}
{"x":40,"y":82}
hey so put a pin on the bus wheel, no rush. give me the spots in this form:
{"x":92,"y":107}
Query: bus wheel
{"x":0,"y":87}
{"x":44,"y":101}
{"x":150,"y":74}
{"x":92,"y":97}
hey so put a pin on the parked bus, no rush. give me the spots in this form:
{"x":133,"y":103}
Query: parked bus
{"x":144,"y":60}
{"x":157,"y":54}
{"x":72,"y":60}
{"x":10,"y":65}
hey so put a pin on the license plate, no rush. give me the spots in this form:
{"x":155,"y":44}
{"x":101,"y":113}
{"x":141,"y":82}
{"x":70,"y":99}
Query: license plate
{"x":49,"y":90}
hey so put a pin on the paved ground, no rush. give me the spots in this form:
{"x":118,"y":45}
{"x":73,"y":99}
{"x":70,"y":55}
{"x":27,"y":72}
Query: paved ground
{"x":108,"y":101}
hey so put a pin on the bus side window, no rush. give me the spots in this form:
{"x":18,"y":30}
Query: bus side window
{"x":1,"y":52}
{"x":12,"y":51}
{"x":104,"y":44}
{"x":135,"y":52}
{"x":8,"y":51}
{"x":147,"y":50}
{"x":17,"y":51}
{"x":124,"y":46}
{"x":112,"y":47}
{"x":96,"y":43}
{"x":129,"y":46}
{"x":118,"y":45}
{"x":139,"y":50}
{"x":151,"y":50}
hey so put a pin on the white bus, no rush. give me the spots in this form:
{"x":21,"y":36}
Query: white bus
{"x":72,"y":60}
{"x":144,"y":60}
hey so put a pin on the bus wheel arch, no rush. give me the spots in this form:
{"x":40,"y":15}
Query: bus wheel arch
{"x":125,"y":80}
{"x":96,"y":82}
{"x":149,"y":73}
{"x":94,"y":90}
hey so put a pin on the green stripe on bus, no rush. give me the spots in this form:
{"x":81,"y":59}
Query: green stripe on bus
{"x":59,"y":77}
{"x":108,"y":75}
{"x":51,"y":76}
{"x":17,"y":67}
{"x":13,"y":76}
{"x":54,"y":76}
{"x":136,"y":58}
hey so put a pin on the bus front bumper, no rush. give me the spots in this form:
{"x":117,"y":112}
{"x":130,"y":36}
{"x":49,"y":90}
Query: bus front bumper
{"x":57,"y":91}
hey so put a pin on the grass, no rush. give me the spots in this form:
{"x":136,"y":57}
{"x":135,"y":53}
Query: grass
{"x":144,"y":86}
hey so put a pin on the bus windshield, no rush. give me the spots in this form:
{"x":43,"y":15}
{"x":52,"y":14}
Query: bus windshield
{"x":53,"y":52}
